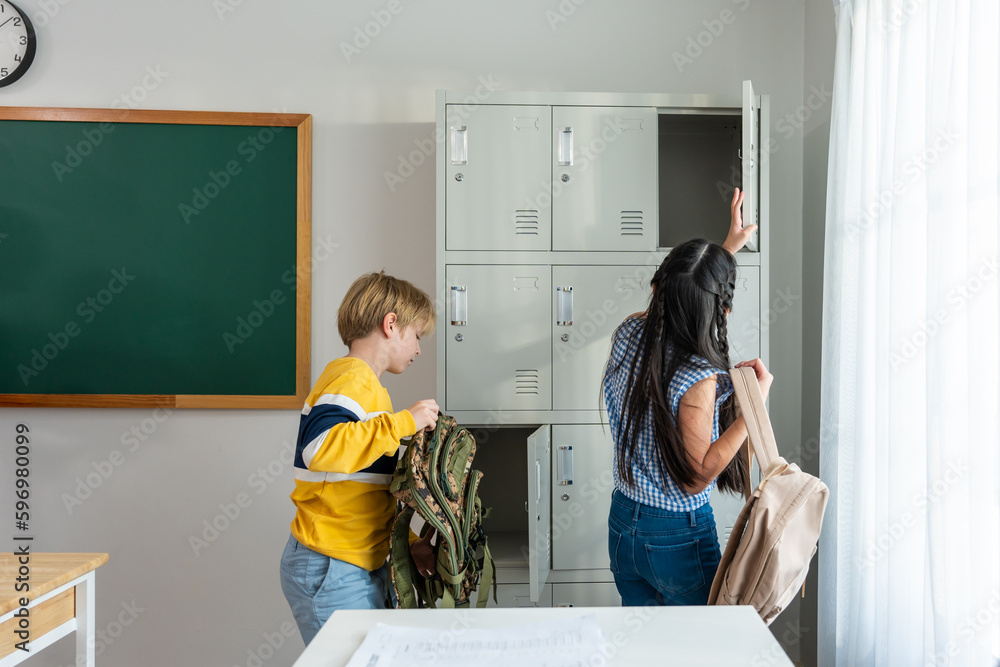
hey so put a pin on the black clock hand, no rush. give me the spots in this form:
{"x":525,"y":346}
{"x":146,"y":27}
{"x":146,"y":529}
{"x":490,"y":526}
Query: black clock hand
{"x":6,"y":22}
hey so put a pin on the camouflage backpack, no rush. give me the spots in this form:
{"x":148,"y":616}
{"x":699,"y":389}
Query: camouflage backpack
{"x":435,"y":479}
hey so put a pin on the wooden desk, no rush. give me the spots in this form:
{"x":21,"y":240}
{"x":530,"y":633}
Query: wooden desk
{"x":61,"y":600}
{"x":703,"y":636}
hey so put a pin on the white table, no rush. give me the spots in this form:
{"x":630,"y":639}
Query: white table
{"x":702,"y":636}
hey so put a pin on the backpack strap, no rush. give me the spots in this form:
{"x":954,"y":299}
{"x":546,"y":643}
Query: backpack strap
{"x":403,"y":572}
{"x":751,"y":403}
{"x":487,"y":580}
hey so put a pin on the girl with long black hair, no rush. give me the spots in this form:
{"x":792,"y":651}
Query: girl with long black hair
{"x":673,"y":418}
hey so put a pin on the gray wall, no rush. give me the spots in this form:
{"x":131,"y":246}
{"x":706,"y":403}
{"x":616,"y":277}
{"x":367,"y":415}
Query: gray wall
{"x":221,"y":604}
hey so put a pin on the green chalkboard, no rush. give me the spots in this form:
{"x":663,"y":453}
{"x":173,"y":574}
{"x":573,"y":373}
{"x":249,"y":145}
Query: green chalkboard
{"x":153,"y":258}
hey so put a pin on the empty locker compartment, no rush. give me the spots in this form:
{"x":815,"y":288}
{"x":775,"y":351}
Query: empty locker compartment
{"x":497,"y":171}
{"x":699,"y":165}
{"x":604,"y":178}
{"x":702,"y":157}
{"x":515,"y":485}
{"x":498,"y":350}
{"x":589,"y":302}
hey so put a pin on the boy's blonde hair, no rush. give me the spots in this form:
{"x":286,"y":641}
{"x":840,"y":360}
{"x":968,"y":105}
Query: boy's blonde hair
{"x":375,"y":295}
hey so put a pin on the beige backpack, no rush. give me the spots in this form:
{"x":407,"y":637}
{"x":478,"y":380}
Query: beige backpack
{"x":774,"y":538}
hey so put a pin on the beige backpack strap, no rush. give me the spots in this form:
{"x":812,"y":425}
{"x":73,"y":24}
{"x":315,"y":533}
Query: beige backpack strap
{"x":751,"y":403}
{"x":727,"y":557}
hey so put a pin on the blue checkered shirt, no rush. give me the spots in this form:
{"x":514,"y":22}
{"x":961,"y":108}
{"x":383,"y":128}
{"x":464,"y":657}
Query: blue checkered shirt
{"x":651,"y":485}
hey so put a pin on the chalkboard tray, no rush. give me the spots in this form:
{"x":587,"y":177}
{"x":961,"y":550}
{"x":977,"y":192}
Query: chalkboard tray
{"x":154,"y":258}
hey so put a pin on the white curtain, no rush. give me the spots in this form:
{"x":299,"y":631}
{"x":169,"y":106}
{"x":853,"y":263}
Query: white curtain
{"x":909,"y":563}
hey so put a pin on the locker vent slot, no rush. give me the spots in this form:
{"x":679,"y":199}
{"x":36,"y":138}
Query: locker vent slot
{"x":526,"y":222}
{"x":631,"y":223}
{"x":526,"y":382}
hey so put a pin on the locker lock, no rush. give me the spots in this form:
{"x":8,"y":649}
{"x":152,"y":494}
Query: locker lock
{"x":564,"y":338}
{"x":459,"y":177}
{"x":565,"y":496}
{"x":564,"y":178}
{"x":459,"y":337}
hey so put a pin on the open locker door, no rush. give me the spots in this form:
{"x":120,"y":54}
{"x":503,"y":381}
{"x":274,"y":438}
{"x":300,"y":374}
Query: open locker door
{"x":750,"y":155}
{"x":539,"y":511}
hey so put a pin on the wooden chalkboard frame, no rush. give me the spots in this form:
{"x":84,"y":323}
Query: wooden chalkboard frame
{"x":303,"y":292}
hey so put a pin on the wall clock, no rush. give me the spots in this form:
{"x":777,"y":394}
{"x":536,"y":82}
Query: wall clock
{"x":17,"y":43}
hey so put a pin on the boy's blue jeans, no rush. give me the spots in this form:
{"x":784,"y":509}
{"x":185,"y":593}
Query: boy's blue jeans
{"x":659,"y":557}
{"x":316,"y":585}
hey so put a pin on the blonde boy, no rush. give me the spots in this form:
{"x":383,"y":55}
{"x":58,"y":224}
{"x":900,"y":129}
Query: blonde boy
{"x":336,"y":555}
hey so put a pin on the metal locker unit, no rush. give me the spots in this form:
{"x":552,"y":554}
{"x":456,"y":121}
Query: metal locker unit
{"x":497,"y":357}
{"x":581,"y":496}
{"x":604,"y":181}
{"x":744,"y":321}
{"x":524,"y":258}
{"x":497,"y":179}
{"x":589,"y":302}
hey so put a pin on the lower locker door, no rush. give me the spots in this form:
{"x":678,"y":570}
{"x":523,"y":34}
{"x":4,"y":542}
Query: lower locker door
{"x":539,"y":508}
{"x":581,"y":496}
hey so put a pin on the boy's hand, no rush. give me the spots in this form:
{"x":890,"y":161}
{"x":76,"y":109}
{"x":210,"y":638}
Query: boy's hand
{"x":425,"y":414}
{"x":423,"y":554}
{"x":738,"y":236}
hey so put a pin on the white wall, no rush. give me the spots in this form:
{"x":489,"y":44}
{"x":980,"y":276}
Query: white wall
{"x":215,"y":608}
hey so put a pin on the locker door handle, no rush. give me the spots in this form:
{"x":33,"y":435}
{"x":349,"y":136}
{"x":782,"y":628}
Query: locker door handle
{"x":459,"y":145}
{"x":459,"y":306}
{"x":564,"y":465}
{"x":564,"y":147}
{"x":564,"y":306}
{"x":538,"y":482}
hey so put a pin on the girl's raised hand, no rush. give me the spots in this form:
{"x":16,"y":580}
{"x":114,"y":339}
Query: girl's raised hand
{"x":738,"y":235}
{"x":764,"y":377}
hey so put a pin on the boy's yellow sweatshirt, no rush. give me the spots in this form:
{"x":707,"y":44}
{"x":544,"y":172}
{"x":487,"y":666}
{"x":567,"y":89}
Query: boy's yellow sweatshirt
{"x":344,"y":460}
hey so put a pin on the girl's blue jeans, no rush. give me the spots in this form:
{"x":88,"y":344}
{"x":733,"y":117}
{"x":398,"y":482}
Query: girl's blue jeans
{"x":316,"y":585}
{"x":659,"y":557}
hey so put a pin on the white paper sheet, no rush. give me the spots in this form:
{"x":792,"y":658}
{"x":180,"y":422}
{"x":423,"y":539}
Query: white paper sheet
{"x":570,"y":642}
